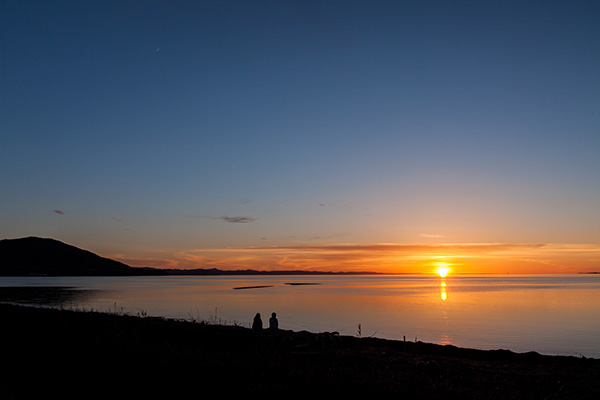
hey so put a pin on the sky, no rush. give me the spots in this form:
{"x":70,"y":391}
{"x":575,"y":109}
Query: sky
{"x":383,"y":136}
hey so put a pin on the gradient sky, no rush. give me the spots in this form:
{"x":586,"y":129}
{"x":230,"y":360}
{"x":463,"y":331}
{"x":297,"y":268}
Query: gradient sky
{"x":338,"y":135}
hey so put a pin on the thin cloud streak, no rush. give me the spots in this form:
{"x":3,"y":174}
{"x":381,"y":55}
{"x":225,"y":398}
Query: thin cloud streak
{"x":477,"y":247}
{"x":237,"y":220}
{"x":396,"y":258}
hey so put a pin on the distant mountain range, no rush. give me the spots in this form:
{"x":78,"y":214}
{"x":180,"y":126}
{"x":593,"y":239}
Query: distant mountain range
{"x":215,"y":271}
{"x":34,"y":256}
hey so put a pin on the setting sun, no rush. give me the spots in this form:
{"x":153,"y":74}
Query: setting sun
{"x":443,"y":269}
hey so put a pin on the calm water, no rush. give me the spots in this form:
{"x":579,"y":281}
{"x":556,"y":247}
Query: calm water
{"x":557,"y":314}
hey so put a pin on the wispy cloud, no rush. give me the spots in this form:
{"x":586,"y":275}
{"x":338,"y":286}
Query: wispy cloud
{"x":234,"y":220}
{"x":392,"y":247}
{"x":429,"y":235}
{"x":466,"y":257}
{"x":59,"y":212}
{"x":237,"y":220}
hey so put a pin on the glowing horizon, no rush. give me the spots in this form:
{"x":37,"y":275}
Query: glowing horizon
{"x":488,"y":258}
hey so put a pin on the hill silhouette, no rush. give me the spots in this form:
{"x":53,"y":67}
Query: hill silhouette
{"x":50,"y":257}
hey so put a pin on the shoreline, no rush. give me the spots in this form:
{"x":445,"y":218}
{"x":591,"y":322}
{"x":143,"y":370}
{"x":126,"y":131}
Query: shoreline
{"x":92,"y":354}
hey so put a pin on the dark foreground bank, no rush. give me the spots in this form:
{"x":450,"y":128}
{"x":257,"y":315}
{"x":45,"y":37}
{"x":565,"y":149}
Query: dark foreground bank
{"x":66,"y":354}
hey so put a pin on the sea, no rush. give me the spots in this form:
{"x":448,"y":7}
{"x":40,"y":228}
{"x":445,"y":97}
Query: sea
{"x":548,"y":314}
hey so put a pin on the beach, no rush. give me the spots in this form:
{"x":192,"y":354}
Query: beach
{"x":76,"y":354}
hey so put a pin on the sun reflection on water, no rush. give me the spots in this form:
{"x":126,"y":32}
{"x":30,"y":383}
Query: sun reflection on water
{"x":443,"y":294}
{"x":445,"y":339}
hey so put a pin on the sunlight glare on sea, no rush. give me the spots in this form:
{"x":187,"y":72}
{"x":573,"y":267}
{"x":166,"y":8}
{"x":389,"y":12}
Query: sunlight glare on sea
{"x":550,"y":314}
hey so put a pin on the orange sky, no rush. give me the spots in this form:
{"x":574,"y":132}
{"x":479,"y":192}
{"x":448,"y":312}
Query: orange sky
{"x":467,"y":258}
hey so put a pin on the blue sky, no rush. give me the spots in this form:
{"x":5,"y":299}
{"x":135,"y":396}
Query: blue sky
{"x":149,"y":130}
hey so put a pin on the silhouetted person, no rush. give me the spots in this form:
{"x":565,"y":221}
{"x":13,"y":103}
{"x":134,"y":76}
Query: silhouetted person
{"x":273,"y":323}
{"x":257,"y":323}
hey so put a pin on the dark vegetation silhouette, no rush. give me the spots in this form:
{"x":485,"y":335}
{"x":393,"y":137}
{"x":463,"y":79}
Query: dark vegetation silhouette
{"x":59,"y":354}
